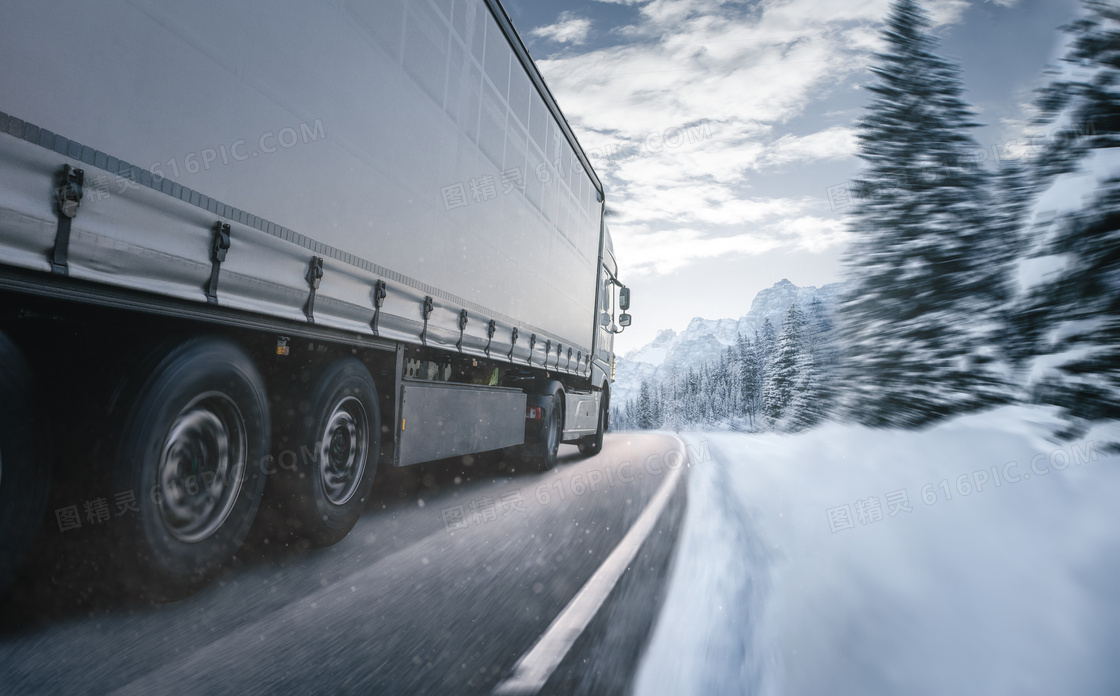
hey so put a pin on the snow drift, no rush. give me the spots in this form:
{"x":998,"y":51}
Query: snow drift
{"x":802,"y":570}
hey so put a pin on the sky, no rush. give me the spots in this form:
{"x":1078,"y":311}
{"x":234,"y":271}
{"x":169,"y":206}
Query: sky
{"x":723,"y":130}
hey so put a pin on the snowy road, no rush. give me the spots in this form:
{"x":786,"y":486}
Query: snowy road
{"x":803,"y":570}
{"x":977,"y":557}
{"x":440,"y":597}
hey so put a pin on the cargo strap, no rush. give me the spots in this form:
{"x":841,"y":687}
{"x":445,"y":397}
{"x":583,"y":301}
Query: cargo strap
{"x":68,"y":196}
{"x":314,"y":275}
{"x":462,"y":327}
{"x":426,"y":312}
{"x":218,"y":248}
{"x":490,"y":329}
{"x":379,"y":293}
{"x":512,"y":343}
{"x":532,"y":345}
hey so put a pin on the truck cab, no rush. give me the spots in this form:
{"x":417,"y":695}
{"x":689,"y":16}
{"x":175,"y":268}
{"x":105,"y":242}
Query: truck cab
{"x":587,"y":413}
{"x":614,"y":300}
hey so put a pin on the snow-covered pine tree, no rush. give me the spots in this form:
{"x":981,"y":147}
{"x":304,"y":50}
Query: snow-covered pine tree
{"x":716,"y":395}
{"x":766,"y":339}
{"x":672,"y":415}
{"x":645,"y":413}
{"x":742,"y":345}
{"x":785,"y":371}
{"x":729,"y":384}
{"x":1071,"y":322}
{"x":692,"y":396}
{"x":919,"y":312}
{"x":1084,"y":94}
{"x":715,"y":401}
{"x":805,"y":408}
{"x":657,"y":394}
{"x":701,"y":396}
{"x":751,"y":381}
{"x":819,"y":336}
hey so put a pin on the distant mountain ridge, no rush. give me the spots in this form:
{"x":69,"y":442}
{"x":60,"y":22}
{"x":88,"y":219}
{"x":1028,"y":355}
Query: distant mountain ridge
{"x":705,"y":339}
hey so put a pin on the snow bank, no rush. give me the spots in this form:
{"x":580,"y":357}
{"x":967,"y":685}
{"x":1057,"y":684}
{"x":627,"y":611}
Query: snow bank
{"x":981,"y":587}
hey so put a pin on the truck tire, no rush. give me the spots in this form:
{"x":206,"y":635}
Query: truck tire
{"x":339,"y":440}
{"x":196,"y":427}
{"x":23,"y":484}
{"x":593,"y":444}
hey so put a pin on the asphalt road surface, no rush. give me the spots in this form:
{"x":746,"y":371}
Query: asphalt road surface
{"x":445,"y":586}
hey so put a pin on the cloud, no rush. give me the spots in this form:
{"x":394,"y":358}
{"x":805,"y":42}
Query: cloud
{"x":834,"y":143}
{"x":568,"y":29}
{"x":946,"y":11}
{"x":752,"y":72}
{"x":664,"y":251}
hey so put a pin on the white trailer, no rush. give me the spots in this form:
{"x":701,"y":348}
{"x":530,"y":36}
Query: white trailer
{"x":359,"y":232}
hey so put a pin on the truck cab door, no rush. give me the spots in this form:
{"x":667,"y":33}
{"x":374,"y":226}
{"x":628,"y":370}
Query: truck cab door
{"x":607,"y":305}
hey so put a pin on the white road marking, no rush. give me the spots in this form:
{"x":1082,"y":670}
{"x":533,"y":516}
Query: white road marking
{"x":535,"y":667}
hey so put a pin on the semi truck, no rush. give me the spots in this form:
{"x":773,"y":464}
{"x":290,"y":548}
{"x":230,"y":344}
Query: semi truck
{"x":263,"y":250}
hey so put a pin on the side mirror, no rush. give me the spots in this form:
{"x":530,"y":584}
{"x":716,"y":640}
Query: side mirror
{"x":624,"y":320}
{"x":624,"y":300}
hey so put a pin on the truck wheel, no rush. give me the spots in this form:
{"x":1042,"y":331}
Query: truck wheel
{"x":23,"y":484}
{"x":546,"y":451}
{"x":187,"y":450}
{"x":593,"y":444}
{"x":339,"y":441}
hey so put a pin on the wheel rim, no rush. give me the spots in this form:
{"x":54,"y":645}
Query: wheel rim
{"x":201,"y":467}
{"x":343,"y":450}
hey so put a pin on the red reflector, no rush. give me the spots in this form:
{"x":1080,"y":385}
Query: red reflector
{"x":533,"y":412}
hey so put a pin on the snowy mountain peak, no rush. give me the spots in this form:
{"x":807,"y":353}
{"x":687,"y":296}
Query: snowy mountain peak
{"x":703,"y":340}
{"x":655,"y":352}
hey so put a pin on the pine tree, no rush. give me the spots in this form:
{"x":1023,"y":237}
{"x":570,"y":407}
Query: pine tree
{"x":920,"y":310}
{"x":645,"y":410}
{"x":786,"y":371}
{"x":752,"y":376}
{"x":767,"y":338}
{"x":1086,"y":95}
{"x":690,"y":388}
{"x":717,"y":401}
{"x":822,"y":351}
{"x":673,"y":408}
{"x":805,"y":409}
{"x":1072,"y":323}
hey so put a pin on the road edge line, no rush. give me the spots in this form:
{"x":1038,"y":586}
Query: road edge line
{"x":535,"y":667}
